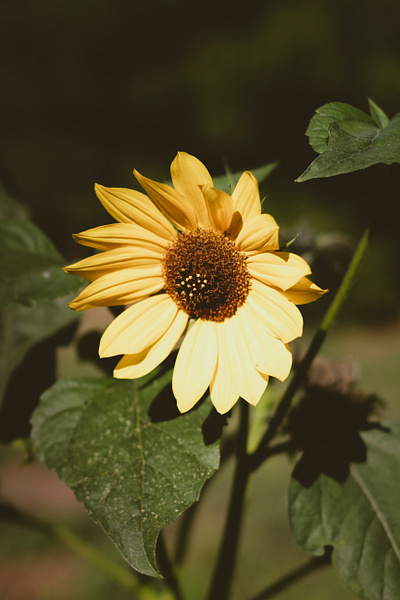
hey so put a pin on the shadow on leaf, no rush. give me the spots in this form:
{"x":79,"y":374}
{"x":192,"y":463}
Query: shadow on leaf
{"x":326,"y":426}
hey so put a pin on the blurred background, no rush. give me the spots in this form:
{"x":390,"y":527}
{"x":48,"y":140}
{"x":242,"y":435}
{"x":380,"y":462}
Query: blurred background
{"x":94,"y":88}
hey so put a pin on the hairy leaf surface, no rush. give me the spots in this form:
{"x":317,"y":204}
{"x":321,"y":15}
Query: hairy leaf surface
{"x":359,"y":518}
{"x":30,"y":266}
{"x":347,"y":139}
{"x":116,"y":445}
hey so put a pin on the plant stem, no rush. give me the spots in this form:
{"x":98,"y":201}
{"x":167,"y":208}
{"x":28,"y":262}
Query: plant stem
{"x":225,"y":566}
{"x":290,"y":578}
{"x":72,"y":541}
{"x":166,"y":569}
{"x":262,"y":451}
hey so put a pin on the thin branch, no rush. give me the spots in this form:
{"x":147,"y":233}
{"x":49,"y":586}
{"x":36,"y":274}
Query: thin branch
{"x":293,"y":577}
{"x":167,"y":570}
{"x":262,"y":451}
{"x":225,"y":566}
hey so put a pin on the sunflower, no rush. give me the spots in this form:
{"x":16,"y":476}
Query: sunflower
{"x":196,"y":263}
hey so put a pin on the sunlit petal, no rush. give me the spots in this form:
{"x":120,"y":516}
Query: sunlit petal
{"x":130,"y":206}
{"x":269,"y":355}
{"x":280,"y":269}
{"x":276,"y":314}
{"x":138,"y":327}
{"x":304,"y":291}
{"x":125,"y":257}
{"x":246,"y":196}
{"x":174,"y":206}
{"x":108,"y":237}
{"x":222,"y":389}
{"x":120,"y":288}
{"x":132,"y":366}
{"x":246,"y":381}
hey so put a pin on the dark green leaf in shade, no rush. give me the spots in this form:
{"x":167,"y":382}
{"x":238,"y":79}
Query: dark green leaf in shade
{"x":134,"y":464}
{"x":22,"y":327}
{"x":360,"y":518}
{"x":348,"y":139}
{"x":30,"y":266}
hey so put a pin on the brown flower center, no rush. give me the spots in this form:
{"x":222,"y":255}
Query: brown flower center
{"x":205,"y":275}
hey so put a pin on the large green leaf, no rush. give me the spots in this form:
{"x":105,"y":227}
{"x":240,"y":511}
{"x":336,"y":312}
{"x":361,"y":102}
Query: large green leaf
{"x":22,"y":327}
{"x":348,"y":139}
{"x":360,"y":518}
{"x":134,"y":471}
{"x":30,"y":266}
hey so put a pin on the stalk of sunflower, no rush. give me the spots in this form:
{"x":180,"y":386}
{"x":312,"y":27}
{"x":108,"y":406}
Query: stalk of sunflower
{"x":192,"y":261}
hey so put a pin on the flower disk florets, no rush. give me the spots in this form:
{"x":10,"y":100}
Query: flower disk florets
{"x":205,"y":275}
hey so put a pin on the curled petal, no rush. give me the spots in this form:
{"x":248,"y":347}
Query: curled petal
{"x":259,"y":234}
{"x":188,"y":174}
{"x":219,"y":205}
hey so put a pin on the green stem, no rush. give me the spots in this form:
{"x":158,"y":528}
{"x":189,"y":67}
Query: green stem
{"x":290,"y":578}
{"x":225,"y":566}
{"x":166,"y":569}
{"x":72,"y":541}
{"x":262,"y":452}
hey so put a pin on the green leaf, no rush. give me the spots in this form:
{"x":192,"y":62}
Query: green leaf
{"x":228,"y":181}
{"x":348,"y":139}
{"x":23,"y":327}
{"x":30,"y":266}
{"x":134,"y":471}
{"x":380,"y":118}
{"x":359,"y":518}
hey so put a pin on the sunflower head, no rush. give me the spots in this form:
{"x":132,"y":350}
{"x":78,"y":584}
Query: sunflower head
{"x":202,"y":268}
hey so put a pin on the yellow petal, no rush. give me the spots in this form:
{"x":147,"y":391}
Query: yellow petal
{"x":139,"y":326}
{"x":111,"y":261}
{"x":268,"y":355}
{"x":195,"y":364}
{"x":276,"y":314}
{"x":187,"y":174}
{"x":175,"y":207}
{"x":107,"y":237}
{"x":222,"y":389}
{"x":122,"y":287}
{"x":259,"y":234}
{"x":280,"y":269}
{"x":219,"y":205}
{"x":132,"y":366}
{"x":130,"y":206}
{"x":246,"y":380}
{"x":246,"y":196}
{"x":304,"y":291}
